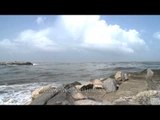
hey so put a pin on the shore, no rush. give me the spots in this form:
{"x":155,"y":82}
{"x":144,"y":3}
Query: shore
{"x":119,"y":89}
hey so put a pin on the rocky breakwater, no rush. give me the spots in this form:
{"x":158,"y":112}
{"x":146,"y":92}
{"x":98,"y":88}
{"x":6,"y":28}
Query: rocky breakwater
{"x":16,"y":63}
{"x":119,"y":89}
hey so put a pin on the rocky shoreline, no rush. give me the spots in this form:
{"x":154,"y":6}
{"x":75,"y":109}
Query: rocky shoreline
{"x":119,"y":89}
{"x":16,"y":63}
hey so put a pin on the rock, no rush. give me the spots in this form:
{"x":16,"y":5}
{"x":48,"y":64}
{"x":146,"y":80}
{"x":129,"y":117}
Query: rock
{"x":79,"y":86}
{"x":72,"y":85}
{"x":155,"y":101}
{"x":86,"y":87}
{"x":118,"y":76}
{"x":87,"y":102}
{"x":16,"y":63}
{"x":59,"y":99}
{"x":110,"y":85}
{"x":40,"y":90}
{"x":97,"y":84}
{"x":150,"y":74}
{"x":125,"y":77}
{"x":44,"y":98}
{"x":144,"y":97}
{"x":75,"y":94}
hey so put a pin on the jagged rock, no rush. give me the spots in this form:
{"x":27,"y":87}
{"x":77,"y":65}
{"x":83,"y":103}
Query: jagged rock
{"x":86,"y":87}
{"x":72,"y":85}
{"x":144,"y":97}
{"x":97,"y":84}
{"x":118,"y":76}
{"x":45,"y":97}
{"x":150,"y":74}
{"x":40,"y":90}
{"x":75,"y":94}
{"x":59,"y":99}
{"x":110,"y":85}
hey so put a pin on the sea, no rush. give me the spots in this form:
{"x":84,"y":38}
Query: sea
{"x":17,"y":82}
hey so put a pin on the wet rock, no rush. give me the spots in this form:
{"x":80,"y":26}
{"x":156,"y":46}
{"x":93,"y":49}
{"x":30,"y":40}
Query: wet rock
{"x":110,"y":85}
{"x":40,"y":90}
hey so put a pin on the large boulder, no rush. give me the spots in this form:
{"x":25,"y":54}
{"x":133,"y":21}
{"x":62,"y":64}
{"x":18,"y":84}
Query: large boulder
{"x":45,"y":97}
{"x":40,"y":90}
{"x":75,"y":94}
{"x":110,"y":85}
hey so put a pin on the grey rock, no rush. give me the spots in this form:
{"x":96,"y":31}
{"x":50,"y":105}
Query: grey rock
{"x":59,"y":99}
{"x":110,"y":85}
{"x":74,"y":94}
{"x":43,"y":99}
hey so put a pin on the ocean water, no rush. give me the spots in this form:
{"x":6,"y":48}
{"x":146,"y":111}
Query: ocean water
{"x":18,"y":82}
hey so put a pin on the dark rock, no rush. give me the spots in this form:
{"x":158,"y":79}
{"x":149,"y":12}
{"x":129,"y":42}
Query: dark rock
{"x":71,"y":85}
{"x":16,"y":63}
{"x":86,"y":87}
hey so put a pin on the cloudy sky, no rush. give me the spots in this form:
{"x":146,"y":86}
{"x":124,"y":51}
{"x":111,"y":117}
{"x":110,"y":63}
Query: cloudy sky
{"x":88,"y":38}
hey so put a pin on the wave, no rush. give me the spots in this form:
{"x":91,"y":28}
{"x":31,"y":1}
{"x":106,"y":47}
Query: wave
{"x":19,"y":94}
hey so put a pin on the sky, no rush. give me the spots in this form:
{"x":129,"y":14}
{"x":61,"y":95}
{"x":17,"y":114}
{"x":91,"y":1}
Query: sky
{"x":79,"y":38}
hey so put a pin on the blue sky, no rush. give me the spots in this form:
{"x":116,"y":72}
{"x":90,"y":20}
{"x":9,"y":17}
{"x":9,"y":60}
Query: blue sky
{"x":88,"y":38}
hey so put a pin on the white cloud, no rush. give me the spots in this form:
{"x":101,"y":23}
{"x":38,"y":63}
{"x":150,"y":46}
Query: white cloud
{"x":156,"y":35}
{"x":31,"y":40}
{"x":97,"y":34}
{"x":40,"y":19}
{"x":76,"y":33}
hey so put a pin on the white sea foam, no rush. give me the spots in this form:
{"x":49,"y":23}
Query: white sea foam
{"x":19,"y":94}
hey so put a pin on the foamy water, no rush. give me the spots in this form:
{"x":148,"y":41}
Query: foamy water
{"x":19,"y":94}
